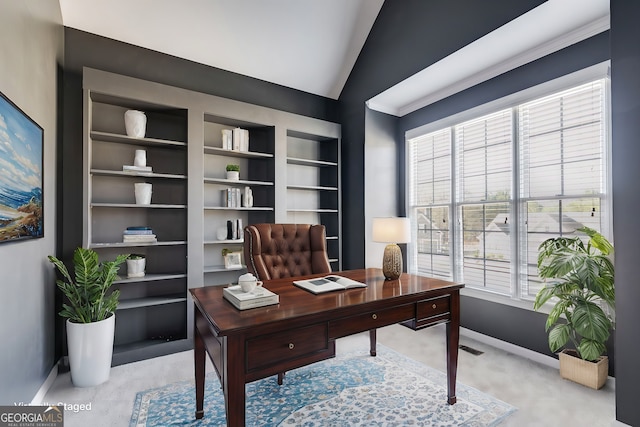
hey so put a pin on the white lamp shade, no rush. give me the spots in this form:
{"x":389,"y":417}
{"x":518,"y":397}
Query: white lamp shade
{"x":391,"y":230}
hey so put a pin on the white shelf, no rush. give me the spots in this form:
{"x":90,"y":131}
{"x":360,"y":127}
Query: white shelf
{"x":220,"y":268}
{"x":313,"y":210}
{"x":224,"y":208}
{"x":235,"y":153}
{"x":309,"y":162}
{"x":105,"y":172}
{"x":224,"y":242}
{"x":133,"y":245}
{"x":240,"y":182}
{"x":124,"y":139}
{"x":134,"y":205}
{"x":311,"y":187}
{"x":150,"y":278}
{"x":148,"y":302}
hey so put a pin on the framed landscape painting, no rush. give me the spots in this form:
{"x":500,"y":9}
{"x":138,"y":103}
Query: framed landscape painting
{"x":21,"y":145}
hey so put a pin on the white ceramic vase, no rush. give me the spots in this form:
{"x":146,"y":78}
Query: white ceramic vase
{"x":135,"y":123}
{"x":140,"y":158}
{"x":135,"y":267}
{"x":142,"y":191}
{"x":90,"y":350}
{"x":233,"y":175}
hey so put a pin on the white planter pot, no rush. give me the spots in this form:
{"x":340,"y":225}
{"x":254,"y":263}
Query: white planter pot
{"x":135,"y":267}
{"x":142,"y":192}
{"x":90,"y":350}
{"x":135,"y":123}
{"x":233,"y":175}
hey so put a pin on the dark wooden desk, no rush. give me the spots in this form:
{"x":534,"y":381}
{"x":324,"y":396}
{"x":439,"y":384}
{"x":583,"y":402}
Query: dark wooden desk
{"x":247,"y":345}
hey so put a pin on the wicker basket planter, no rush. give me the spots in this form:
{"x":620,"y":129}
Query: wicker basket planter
{"x":590,"y":374}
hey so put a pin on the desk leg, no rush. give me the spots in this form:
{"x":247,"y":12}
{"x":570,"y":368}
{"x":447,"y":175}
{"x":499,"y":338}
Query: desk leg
{"x":234,"y":396}
{"x":199,"y":363}
{"x":453,"y":339}
{"x":372,"y":342}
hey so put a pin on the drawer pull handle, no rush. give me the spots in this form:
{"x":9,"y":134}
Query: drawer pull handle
{"x":433,"y":306}
{"x":374,"y":316}
{"x":291,"y":346}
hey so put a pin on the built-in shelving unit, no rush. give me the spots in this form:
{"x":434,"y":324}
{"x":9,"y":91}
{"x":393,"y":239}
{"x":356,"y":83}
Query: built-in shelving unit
{"x":313,"y":185}
{"x":152,"y":309}
{"x":291,"y":165}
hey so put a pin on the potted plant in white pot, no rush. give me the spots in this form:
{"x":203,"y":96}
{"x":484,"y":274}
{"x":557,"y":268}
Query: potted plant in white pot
{"x":233,"y":172}
{"x":583,"y":293}
{"x":90,"y":314}
{"x":136,"y":264}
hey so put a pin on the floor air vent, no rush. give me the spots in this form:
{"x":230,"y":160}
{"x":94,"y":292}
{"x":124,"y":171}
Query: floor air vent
{"x":471,"y":350}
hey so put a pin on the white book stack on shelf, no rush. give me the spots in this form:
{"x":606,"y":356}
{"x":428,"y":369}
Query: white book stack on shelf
{"x":139,"y":235}
{"x":241,"y":300}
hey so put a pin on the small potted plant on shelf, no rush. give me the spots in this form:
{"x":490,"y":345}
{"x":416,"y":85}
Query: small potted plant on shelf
{"x":233,"y":172}
{"x":583,"y":293}
{"x":90,"y":314}
{"x":135,"y":265}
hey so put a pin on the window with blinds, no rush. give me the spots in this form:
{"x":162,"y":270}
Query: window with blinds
{"x":484,"y":198}
{"x":562,"y":169}
{"x":484,"y":193}
{"x":430,"y":199}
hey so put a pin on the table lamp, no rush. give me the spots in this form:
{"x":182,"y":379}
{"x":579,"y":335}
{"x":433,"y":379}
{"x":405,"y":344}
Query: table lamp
{"x":392,"y":231}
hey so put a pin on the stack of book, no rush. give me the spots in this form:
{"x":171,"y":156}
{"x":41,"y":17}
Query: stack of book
{"x":139,"y":235}
{"x":259,"y":297}
{"x":236,"y":139}
{"x":136,"y":169}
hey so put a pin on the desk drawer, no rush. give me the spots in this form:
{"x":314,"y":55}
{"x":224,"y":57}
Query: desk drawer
{"x":279,"y":347}
{"x":432,"y":310}
{"x":371,"y":320}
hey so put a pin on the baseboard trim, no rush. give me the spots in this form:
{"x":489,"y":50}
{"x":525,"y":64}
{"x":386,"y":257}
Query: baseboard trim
{"x":511,"y":348}
{"x":46,"y":385}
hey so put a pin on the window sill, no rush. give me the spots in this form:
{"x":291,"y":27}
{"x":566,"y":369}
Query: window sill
{"x":505,"y":300}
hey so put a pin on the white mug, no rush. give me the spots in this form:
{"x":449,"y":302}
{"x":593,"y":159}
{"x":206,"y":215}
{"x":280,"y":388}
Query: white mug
{"x":248,"y":282}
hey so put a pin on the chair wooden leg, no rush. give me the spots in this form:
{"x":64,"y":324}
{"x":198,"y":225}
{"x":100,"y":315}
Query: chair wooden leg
{"x":280,"y":378}
{"x":372,"y":342}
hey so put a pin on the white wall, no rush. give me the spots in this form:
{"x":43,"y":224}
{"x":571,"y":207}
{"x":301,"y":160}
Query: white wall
{"x":380,"y":178}
{"x":31,"y":46}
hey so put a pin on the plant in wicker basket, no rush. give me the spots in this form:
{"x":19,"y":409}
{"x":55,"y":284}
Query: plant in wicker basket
{"x":582,"y":291}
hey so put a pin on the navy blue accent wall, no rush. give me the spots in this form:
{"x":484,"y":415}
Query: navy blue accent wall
{"x":625,"y":97}
{"x":406,"y":37}
{"x":84,"y":49}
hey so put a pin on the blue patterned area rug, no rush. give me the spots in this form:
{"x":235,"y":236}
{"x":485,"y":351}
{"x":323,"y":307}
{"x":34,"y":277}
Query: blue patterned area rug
{"x":350,"y":390}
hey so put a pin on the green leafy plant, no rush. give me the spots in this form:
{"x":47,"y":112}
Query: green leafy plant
{"x":233,"y":168}
{"x":583,"y":291}
{"x":135,"y":256}
{"x":88,"y":296}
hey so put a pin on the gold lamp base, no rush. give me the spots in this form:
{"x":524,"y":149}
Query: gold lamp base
{"x":392,"y":262}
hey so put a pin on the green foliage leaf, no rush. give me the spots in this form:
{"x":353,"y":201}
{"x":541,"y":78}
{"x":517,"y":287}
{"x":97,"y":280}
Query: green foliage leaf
{"x":591,"y":349}
{"x":590,"y":321}
{"x":558,"y":336}
{"x":89,"y":296}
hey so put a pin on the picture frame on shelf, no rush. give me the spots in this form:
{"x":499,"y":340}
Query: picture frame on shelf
{"x":233,"y":260}
{"x":21,"y":180}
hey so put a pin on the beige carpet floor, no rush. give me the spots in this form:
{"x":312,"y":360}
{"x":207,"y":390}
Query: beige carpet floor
{"x":541,"y":396}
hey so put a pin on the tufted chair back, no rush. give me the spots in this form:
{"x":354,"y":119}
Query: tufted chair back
{"x":272,"y":251}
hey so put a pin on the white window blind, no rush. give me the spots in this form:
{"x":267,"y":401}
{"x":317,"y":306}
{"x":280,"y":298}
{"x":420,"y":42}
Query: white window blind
{"x":484,"y":193}
{"x":429,"y":201}
{"x":562,"y":167}
{"x":484,"y":176}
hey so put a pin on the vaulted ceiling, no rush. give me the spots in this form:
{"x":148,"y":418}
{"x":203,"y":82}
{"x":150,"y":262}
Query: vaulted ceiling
{"x":312,"y":45}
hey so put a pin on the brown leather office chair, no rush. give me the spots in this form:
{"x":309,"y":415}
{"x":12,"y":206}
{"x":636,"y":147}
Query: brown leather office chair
{"x":273,"y":251}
